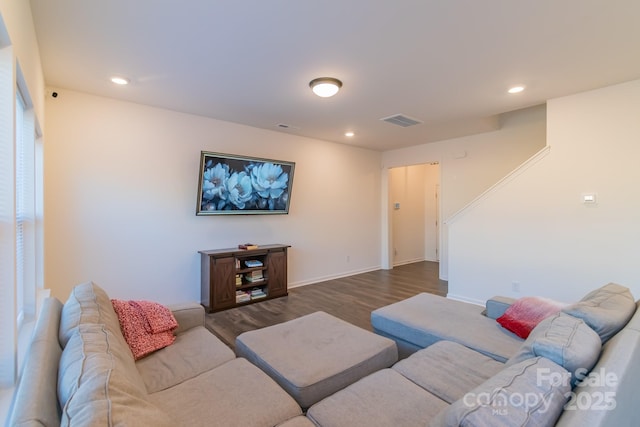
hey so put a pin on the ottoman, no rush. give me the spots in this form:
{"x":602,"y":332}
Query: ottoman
{"x":316,"y":355}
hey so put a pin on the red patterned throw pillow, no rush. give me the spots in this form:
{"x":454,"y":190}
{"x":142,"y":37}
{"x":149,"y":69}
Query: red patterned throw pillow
{"x":146,"y":326}
{"x":525,"y":314}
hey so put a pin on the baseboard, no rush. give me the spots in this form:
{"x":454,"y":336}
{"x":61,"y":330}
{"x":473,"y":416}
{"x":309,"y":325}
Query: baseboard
{"x":332,"y":277}
{"x":410,"y":261}
{"x":465,"y":299}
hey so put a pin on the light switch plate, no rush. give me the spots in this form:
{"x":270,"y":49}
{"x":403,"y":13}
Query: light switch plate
{"x":589,"y":198}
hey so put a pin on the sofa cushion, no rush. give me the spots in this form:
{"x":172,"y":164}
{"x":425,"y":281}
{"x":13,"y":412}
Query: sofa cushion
{"x":634,"y":322}
{"x":91,"y":351}
{"x":525,"y":394}
{"x":98,"y":383}
{"x":525,"y":313}
{"x":564,"y":339}
{"x":384,"y":398}
{"x":36,"y":401}
{"x":425,"y":319}
{"x":194,"y":352}
{"x":299,"y":421}
{"x":609,"y":394}
{"x":235,"y":393}
{"x":448,"y":370}
{"x":606,"y":310}
{"x":87,"y":303}
{"x":497,"y":305}
{"x":188,"y":315}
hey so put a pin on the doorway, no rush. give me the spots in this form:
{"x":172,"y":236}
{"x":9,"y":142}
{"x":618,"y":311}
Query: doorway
{"x":414,"y":213}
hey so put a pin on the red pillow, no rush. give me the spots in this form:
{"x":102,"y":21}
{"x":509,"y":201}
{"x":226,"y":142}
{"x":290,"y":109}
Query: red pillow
{"x":525,"y":314}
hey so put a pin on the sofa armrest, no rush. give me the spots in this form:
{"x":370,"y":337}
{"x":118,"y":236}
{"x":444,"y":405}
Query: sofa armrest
{"x":188,"y":314}
{"x":496,"y":306}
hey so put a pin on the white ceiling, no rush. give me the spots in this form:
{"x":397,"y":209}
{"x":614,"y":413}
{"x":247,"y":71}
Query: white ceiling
{"x":447,"y":63}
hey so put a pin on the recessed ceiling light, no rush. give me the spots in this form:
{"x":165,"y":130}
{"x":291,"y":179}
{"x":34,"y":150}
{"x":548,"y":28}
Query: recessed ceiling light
{"x":516,"y":89}
{"x":325,"y":87}
{"x":349,"y":134}
{"x":120,"y":80}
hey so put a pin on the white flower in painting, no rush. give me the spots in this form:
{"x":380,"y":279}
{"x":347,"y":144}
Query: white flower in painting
{"x":239,"y":189}
{"x":214,"y":182}
{"x":269,"y":180}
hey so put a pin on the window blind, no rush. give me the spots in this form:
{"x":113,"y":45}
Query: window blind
{"x":8,"y":312}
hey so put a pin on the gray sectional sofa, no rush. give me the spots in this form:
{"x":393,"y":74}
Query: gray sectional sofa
{"x":461,"y":369}
{"x":459,"y":352}
{"x":80,"y":372}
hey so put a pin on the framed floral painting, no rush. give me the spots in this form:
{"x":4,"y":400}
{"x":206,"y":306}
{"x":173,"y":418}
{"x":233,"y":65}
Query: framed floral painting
{"x":231,"y":184}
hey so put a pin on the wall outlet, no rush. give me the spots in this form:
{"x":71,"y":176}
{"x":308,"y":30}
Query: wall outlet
{"x":348,"y":258}
{"x":515,"y":287}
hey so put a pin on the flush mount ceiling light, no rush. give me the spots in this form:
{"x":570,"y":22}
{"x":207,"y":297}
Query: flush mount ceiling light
{"x":516,"y":89}
{"x":120,"y":80}
{"x":325,"y":86}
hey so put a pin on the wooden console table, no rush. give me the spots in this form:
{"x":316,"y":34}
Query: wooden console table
{"x":234,"y":277}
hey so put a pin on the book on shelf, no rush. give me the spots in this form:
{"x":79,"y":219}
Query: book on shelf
{"x":242,"y":296}
{"x":254,"y":276}
{"x":247,"y":246}
{"x":238,"y":279}
{"x":257,"y":293}
{"x":253,"y":263}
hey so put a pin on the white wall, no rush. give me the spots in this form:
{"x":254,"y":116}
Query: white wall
{"x":534,"y":230}
{"x":472,"y":164}
{"x":19,"y":26}
{"x":120,"y":200}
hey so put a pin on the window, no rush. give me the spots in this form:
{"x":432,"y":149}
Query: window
{"x":25,"y":213}
{"x":20,"y":238}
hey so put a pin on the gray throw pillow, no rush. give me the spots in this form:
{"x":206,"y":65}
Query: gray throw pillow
{"x":564,"y":339}
{"x":606,"y":310}
{"x":529,"y":393}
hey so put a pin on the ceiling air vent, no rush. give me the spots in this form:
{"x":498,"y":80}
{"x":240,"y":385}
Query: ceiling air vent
{"x":401,"y":120}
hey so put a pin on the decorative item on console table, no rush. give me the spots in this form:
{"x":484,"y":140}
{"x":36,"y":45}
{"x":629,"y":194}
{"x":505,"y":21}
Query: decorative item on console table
{"x":264,"y":268}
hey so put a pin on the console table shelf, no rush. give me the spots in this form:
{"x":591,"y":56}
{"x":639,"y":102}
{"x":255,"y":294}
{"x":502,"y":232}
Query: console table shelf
{"x":227,"y":281}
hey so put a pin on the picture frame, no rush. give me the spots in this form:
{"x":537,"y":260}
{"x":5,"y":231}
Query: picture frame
{"x":232,"y":184}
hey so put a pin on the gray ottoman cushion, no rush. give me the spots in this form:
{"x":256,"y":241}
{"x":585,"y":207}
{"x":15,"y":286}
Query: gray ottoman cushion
{"x":315,"y":355}
{"x":448,"y":370}
{"x":384,"y":398}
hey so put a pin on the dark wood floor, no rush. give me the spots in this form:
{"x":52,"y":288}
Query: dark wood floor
{"x":350,"y":298}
